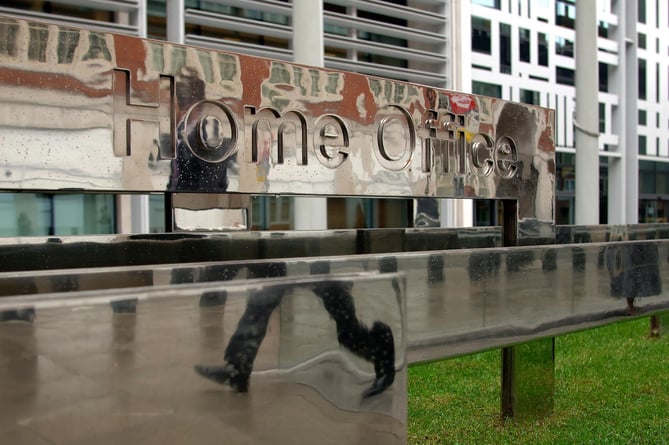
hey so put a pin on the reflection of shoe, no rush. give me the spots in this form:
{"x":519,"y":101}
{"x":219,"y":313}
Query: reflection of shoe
{"x":213,"y":298}
{"x":379,"y":385}
{"x":384,"y":359}
{"x":631,"y":309}
{"x":124,"y":306}
{"x":225,"y":374}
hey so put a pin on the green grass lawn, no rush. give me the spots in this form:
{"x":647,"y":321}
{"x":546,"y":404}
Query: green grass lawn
{"x":612,"y":387}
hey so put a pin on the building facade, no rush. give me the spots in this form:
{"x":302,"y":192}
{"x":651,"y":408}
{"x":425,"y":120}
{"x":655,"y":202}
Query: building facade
{"x":520,"y":50}
{"x":525,"y":51}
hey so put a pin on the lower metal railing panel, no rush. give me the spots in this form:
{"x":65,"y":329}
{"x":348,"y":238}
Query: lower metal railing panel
{"x":458,"y":301}
{"x":321,"y":354}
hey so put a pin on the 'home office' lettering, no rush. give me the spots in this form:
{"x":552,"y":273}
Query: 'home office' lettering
{"x":447,"y":147}
{"x":214,"y":133}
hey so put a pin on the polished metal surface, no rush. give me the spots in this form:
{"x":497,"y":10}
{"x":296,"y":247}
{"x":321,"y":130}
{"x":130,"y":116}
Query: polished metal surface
{"x":314,"y":360}
{"x":38,"y":253}
{"x":110,"y":327}
{"x":104,"y":112}
{"x":458,"y":301}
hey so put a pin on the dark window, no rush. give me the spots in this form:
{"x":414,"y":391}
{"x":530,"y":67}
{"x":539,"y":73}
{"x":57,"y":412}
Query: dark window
{"x":487,"y":89}
{"x":642,"y":79}
{"x":642,"y":117}
{"x":603,"y":29}
{"x":602,"y":118}
{"x":524,"y":44}
{"x":480,"y":35}
{"x":642,"y":144}
{"x":603,"y":77}
{"x":529,"y":97}
{"x":565,"y":13}
{"x":38,"y":41}
{"x":505,"y":48}
{"x":564,"y":76}
{"x":641,"y":12}
{"x":564,"y":47}
{"x":542,"y":46}
{"x":641,"y":39}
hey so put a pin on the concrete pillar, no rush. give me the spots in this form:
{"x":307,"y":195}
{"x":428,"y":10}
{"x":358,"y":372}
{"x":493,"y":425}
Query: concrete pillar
{"x":631,"y":100}
{"x":586,"y":121}
{"x":309,"y":213}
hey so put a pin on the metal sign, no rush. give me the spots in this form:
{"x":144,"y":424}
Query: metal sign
{"x":97,"y":111}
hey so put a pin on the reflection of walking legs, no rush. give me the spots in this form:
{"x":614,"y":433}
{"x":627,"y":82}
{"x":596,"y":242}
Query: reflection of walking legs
{"x":245,"y":342}
{"x":375,"y":345}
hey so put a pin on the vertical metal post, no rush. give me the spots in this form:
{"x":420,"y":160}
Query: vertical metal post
{"x":528,"y":370}
{"x":659,"y":324}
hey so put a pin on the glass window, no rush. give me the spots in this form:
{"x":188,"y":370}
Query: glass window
{"x":641,"y":40}
{"x":641,"y":11}
{"x":487,"y":89}
{"x":542,"y":47}
{"x":566,"y":172}
{"x":603,"y":77}
{"x":39,"y":214}
{"x":564,"y":76}
{"x":642,"y":79}
{"x":642,"y":144}
{"x":481,"y":35}
{"x":642,"y":117}
{"x":524,"y":44}
{"x":529,"y":97}
{"x":565,"y":13}
{"x":38,"y":42}
{"x":8,"y":33}
{"x":488,"y":3}
{"x":505,"y":48}
{"x":157,"y":213}
{"x":602,"y":118}
{"x":564,"y":47}
{"x":272,"y":213}
{"x":603,"y":29}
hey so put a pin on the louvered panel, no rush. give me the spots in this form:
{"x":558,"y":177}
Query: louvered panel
{"x":382,"y":49}
{"x":401,"y":32}
{"x":423,"y":17}
{"x":239,"y":47}
{"x":382,"y":46}
{"x":374,"y":69}
{"x":135,"y":9}
{"x":239,"y":24}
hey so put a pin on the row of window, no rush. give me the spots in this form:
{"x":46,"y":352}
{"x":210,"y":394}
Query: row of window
{"x":482,"y":43}
{"x":565,"y":10}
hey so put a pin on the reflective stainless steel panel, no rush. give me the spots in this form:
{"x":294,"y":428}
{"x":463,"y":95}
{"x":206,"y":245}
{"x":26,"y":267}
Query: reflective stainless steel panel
{"x":37,"y":253}
{"x":482,"y":298}
{"x":97,"y":111}
{"x":316,"y":360}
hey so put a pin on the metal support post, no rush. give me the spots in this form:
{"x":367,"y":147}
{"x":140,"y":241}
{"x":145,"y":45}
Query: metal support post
{"x":528,"y":370}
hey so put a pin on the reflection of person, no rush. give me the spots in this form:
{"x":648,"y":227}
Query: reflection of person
{"x":190,"y":173}
{"x":634,"y":271}
{"x":375,"y":345}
